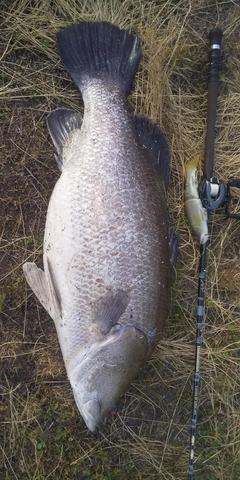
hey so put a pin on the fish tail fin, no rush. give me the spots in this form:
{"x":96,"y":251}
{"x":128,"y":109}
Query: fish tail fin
{"x":99,"y":50}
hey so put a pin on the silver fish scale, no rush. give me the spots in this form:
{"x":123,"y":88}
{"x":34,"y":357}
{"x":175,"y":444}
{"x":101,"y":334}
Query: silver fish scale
{"x":106,"y":226}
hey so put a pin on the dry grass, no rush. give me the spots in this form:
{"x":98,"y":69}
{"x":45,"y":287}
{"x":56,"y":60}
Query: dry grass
{"x":43,"y":436}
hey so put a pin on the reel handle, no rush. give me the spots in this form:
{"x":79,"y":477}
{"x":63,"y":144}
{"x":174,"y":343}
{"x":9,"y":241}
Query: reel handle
{"x":235,"y":182}
{"x":215,"y":37}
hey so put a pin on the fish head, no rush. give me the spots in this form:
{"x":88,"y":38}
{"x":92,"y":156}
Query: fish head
{"x":100,"y":377}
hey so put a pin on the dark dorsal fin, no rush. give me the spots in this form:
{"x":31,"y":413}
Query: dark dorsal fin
{"x":152,"y":137}
{"x":61,"y":122}
{"x":173,"y":247}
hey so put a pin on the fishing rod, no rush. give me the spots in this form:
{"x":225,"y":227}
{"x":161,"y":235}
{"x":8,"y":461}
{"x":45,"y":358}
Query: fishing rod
{"x":200,"y":200}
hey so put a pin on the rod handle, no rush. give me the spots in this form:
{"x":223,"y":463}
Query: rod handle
{"x":215,"y":37}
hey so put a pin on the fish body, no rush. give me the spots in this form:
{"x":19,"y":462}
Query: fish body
{"x":106,"y":276}
{"x":196,"y":213}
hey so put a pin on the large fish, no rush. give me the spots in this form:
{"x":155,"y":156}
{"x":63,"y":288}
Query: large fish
{"x":107,"y":267}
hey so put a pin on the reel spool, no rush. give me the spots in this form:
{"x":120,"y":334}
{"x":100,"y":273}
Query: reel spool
{"x":214,"y":194}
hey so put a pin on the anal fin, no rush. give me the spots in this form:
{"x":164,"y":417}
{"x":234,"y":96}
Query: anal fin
{"x":61,"y":122}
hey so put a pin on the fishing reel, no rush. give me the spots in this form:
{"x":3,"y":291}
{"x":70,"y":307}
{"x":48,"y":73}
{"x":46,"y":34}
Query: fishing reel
{"x":214,"y":194}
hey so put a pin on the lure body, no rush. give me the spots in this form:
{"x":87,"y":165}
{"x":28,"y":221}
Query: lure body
{"x":196,"y":214}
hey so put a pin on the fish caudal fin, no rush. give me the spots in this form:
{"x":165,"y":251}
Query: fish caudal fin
{"x":99,"y":50}
{"x":61,"y":122}
{"x":152,"y":137}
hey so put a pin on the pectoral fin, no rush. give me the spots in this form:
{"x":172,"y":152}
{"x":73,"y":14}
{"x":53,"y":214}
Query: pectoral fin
{"x":36,"y":279}
{"x":109,"y":309}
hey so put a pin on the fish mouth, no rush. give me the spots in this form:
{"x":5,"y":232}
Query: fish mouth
{"x":102,"y":374}
{"x":88,"y":401}
{"x":90,"y":411}
{"x":84,"y":371}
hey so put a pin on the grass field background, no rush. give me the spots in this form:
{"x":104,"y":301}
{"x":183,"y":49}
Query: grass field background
{"x":42,"y":434}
